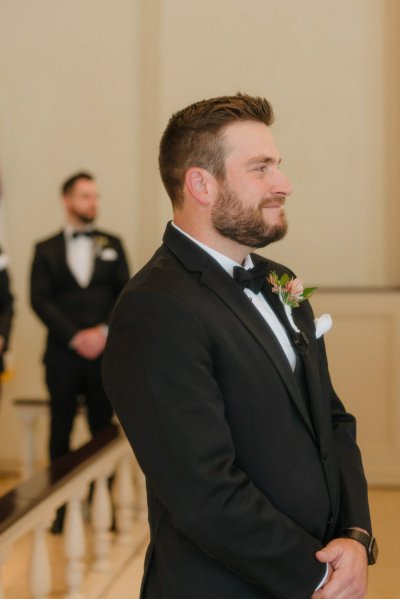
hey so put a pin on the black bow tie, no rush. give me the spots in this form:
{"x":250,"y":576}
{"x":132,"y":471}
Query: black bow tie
{"x":253,"y":278}
{"x":90,"y":233}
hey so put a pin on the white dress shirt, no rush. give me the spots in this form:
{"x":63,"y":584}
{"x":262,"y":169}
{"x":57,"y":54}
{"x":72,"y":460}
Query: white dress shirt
{"x":79,"y":255}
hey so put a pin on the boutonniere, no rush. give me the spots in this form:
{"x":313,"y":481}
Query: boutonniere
{"x":100,"y":242}
{"x":291,"y":292}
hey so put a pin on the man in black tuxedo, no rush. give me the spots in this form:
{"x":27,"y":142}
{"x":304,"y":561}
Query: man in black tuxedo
{"x":76,"y":278}
{"x":255,"y":482}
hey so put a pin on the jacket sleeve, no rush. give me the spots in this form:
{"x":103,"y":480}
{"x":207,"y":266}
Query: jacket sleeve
{"x":121,"y":276}
{"x":6,"y":306}
{"x":42,"y":293}
{"x":354,"y":508}
{"x":158,"y":374}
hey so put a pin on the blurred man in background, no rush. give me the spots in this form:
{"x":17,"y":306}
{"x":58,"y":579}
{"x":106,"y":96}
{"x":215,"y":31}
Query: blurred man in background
{"x":76,"y":277}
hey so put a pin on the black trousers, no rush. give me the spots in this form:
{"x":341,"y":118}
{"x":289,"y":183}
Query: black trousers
{"x":69,"y":379}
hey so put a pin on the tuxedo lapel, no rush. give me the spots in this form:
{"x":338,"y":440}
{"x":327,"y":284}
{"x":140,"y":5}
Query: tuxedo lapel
{"x":100,"y":266}
{"x":59,"y":255}
{"x":309,"y":360}
{"x":311,"y":370}
{"x":213,"y":276}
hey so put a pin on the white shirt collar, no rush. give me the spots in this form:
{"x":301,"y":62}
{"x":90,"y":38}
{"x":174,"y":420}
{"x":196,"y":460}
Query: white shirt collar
{"x":227,"y":263}
{"x":258,"y":300}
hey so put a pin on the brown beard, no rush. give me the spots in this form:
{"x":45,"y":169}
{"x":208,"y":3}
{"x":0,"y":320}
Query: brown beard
{"x":84,"y":218}
{"x":245,"y":225}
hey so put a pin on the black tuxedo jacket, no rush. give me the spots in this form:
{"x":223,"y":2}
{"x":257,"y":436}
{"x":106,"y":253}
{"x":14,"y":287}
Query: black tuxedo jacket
{"x":6,"y":310}
{"x":61,"y":303}
{"x":245,"y":483}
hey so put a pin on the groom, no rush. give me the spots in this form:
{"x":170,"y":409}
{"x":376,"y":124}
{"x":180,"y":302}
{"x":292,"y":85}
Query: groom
{"x":255,"y":482}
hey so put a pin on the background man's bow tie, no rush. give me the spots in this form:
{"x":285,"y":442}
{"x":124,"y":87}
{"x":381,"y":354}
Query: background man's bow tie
{"x":90,"y":233}
{"x":253,"y":278}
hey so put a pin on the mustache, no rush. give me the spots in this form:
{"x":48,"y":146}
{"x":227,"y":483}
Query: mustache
{"x":272,"y":202}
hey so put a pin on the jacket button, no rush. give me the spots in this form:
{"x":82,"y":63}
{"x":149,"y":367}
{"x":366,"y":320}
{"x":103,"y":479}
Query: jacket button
{"x":324,"y":455}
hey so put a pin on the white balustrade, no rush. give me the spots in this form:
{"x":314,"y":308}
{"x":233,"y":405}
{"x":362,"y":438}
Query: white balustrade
{"x":124,"y":500}
{"x":141,"y":502}
{"x":110,"y":552}
{"x":74,"y":547}
{"x":101,"y":516}
{"x":40,"y":570}
{"x":29,"y":412}
{"x":3,"y":556}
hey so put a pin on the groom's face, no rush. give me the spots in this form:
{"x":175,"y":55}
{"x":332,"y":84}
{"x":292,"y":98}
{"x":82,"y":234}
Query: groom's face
{"x":250,"y":208}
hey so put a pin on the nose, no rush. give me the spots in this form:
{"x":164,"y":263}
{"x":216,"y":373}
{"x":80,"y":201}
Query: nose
{"x":281,"y":185}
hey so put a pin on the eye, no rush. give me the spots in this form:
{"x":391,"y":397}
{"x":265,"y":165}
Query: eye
{"x":261,"y":169}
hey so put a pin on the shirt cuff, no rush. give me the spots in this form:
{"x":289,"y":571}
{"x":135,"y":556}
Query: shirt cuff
{"x":325,"y":578}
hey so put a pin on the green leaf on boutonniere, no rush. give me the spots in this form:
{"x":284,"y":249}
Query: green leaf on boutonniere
{"x":290,"y":290}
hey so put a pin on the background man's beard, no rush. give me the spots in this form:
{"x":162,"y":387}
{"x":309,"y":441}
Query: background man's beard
{"x":85,"y":219}
{"x":245,"y":225}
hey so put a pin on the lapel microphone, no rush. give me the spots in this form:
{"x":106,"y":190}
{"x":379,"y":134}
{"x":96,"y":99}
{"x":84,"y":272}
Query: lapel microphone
{"x":300,"y":341}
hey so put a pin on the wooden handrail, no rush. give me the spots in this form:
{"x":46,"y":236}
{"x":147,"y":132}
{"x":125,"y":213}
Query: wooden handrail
{"x":30,"y":506}
{"x":51,"y":481}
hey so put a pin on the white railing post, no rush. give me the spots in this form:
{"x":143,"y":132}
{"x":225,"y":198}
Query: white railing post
{"x":141,"y":494}
{"x":124,"y":500}
{"x":40,"y":569}
{"x":101,"y":516}
{"x":28,"y":416}
{"x":2,"y":561}
{"x":74,"y":547}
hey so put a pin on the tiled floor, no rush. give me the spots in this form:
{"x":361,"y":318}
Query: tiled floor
{"x":384,"y":577}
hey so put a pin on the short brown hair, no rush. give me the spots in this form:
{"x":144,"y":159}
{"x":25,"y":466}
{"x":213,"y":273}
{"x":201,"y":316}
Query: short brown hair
{"x":69,"y":184}
{"x":193,"y":137}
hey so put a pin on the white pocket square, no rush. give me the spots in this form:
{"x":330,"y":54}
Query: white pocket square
{"x":322,"y":325}
{"x":3,"y":261}
{"x":108,"y":254}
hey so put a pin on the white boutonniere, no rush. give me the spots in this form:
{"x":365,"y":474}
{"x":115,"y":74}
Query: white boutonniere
{"x":100,"y":243}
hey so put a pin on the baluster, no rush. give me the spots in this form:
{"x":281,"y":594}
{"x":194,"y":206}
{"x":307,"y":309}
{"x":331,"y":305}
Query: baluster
{"x":40,"y":569}
{"x":3,"y":556}
{"x":28,"y":416}
{"x":124,"y":497}
{"x":141,"y":503}
{"x":101,"y":516}
{"x":74,"y":547}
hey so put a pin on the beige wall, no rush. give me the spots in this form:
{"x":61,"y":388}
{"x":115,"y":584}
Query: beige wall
{"x":91,"y":83}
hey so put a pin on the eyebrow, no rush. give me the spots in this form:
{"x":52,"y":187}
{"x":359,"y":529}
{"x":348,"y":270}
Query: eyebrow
{"x":264,"y":160}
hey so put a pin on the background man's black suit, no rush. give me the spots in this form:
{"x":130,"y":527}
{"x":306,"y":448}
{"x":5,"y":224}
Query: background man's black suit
{"x":6,"y":311}
{"x":66,"y":308}
{"x":245,"y":480}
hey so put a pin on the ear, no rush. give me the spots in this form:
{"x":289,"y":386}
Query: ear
{"x":200,"y":184}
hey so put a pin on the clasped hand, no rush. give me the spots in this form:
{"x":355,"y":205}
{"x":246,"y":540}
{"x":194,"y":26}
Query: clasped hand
{"x":348,"y":566}
{"x":89,"y":343}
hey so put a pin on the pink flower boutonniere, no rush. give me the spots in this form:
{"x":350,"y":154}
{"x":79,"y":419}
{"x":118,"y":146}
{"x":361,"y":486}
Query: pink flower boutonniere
{"x":291,"y":293}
